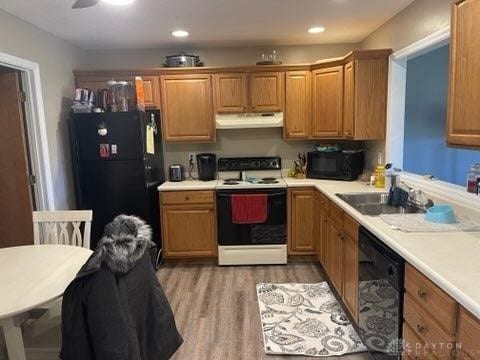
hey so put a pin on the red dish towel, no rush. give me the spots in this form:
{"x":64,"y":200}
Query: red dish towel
{"x":249,"y":208}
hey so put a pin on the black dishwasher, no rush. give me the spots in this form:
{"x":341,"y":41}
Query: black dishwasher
{"x":381,"y":276}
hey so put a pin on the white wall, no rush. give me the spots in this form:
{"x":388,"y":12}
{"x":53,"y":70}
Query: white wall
{"x":57,"y":59}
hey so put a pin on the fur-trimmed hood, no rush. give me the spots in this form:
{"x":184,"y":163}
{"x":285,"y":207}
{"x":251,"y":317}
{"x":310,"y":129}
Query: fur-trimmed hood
{"x":123,"y":244}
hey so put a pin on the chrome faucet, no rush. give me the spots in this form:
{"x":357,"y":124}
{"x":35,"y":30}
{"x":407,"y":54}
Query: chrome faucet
{"x":418,"y":198}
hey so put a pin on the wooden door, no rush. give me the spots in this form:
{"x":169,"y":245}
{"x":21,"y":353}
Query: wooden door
{"x":325,"y":241}
{"x":301,"y":205}
{"x":349,"y":100}
{"x":350,"y":275}
{"x":317,"y":224}
{"x":266,"y":91}
{"x":16,"y":200}
{"x":187,"y":108}
{"x":327,"y":101}
{"x":463,"y":125}
{"x":468,"y":334}
{"x":189,"y":230}
{"x":298,"y":108}
{"x":230,"y":93}
{"x":151,"y":88}
{"x":336,"y":257}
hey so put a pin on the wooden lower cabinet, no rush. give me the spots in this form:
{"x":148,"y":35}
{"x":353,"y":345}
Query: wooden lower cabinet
{"x":468,"y":336}
{"x":336,"y":240}
{"x":301,"y":221}
{"x":350,"y":275}
{"x":188,"y":228}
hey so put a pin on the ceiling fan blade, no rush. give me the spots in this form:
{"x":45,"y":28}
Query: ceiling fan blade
{"x":81,"y":4}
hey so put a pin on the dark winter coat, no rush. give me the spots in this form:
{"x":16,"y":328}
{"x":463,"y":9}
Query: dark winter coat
{"x":115,"y":308}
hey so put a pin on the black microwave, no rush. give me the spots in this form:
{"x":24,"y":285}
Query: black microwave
{"x":340,"y":165}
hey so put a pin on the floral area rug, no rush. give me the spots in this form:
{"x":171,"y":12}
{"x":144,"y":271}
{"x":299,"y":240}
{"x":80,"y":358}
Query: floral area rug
{"x":305,"y":319}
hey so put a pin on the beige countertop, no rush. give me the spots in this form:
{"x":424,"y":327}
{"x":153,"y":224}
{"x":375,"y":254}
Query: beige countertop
{"x":450,"y":260}
{"x":188,"y":185}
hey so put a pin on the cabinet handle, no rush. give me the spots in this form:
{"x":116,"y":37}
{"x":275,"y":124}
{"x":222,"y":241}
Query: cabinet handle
{"x":421,"y":293}
{"x":420,"y":328}
{"x":187,"y":197}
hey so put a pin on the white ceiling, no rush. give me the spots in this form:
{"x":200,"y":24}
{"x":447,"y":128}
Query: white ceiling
{"x":149,"y":23}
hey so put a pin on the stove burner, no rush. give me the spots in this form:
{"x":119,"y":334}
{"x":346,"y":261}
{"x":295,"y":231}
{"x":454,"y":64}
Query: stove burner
{"x":230,"y":182}
{"x":268,"y":180}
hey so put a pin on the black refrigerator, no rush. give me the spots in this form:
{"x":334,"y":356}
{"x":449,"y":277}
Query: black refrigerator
{"x":118,"y":165}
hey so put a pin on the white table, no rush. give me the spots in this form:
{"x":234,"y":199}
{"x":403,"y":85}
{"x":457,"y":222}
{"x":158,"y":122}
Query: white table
{"x":31,"y":276}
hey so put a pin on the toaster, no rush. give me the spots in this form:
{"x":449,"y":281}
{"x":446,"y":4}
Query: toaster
{"x":175,"y":173}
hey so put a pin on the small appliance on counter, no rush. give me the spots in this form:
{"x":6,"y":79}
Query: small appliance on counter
{"x":176,"y":173}
{"x":182,"y":60}
{"x":207,"y":167}
{"x":344,"y":165}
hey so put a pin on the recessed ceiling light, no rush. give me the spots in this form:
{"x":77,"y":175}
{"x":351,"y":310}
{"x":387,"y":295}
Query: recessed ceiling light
{"x":118,"y":2}
{"x":180,"y":33}
{"x":316,"y":30}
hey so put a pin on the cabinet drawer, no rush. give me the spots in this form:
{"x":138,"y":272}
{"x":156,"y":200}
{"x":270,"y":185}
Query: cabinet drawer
{"x":434,"y":300}
{"x":426,"y":328}
{"x":468,"y":335}
{"x":336,"y":214}
{"x":414,"y":347}
{"x":350,"y":227}
{"x":187,"y":197}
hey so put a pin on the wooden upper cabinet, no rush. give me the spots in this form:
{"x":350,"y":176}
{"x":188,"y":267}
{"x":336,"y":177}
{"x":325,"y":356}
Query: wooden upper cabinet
{"x":298,"y":110}
{"x":301,"y":221}
{"x":151,"y":88}
{"x":150,"y":84}
{"x":327,"y":101}
{"x":349,"y":100}
{"x":187,"y":108}
{"x":463,"y":121}
{"x":230,"y":93}
{"x":365,"y":99}
{"x":266,"y":91}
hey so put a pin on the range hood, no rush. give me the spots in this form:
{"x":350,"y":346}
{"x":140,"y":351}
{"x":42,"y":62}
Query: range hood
{"x":249,"y":120}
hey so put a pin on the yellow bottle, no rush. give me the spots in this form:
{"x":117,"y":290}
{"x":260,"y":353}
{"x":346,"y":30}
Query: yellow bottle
{"x":380,"y":172}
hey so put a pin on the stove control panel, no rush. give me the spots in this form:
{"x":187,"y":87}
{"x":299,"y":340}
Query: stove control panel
{"x":250,"y":163}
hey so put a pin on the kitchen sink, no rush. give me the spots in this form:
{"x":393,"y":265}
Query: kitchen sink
{"x":374,"y":204}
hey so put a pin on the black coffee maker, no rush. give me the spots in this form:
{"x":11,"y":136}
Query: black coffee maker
{"x":206,"y":165}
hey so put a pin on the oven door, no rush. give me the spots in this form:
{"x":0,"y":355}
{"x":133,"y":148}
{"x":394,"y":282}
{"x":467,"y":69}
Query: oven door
{"x":324,"y":165}
{"x":272,"y":231}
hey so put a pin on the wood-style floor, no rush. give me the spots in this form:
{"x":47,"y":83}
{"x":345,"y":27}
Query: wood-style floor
{"x":216,"y":308}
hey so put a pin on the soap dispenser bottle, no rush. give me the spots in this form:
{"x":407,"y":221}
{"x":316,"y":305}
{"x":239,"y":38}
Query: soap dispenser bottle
{"x":380,"y":172}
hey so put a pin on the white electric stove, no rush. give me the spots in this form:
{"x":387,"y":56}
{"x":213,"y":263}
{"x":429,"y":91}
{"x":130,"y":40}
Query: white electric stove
{"x":252,"y":244}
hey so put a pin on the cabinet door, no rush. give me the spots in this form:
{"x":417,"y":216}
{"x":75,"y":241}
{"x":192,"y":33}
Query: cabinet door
{"x":325,"y":242}
{"x":328,"y":103}
{"x":349,"y":100}
{"x":151,"y":88}
{"x":350,"y":275}
{"x":297,"y":105}
{"x":150,"y":83}
{"x":336,"y":257}
{"x":230,"y":93}
{"x":463,"y":125}
{"x":188,"y":230}
{"x":317,"y":224}
{"x":266,"y":91}
{"x":301,"y":221}
{"x":187,"y":108}
{"x":468,"y":334}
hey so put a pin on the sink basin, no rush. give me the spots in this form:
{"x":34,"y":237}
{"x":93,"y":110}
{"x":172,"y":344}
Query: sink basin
{"x":374,"y":204}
